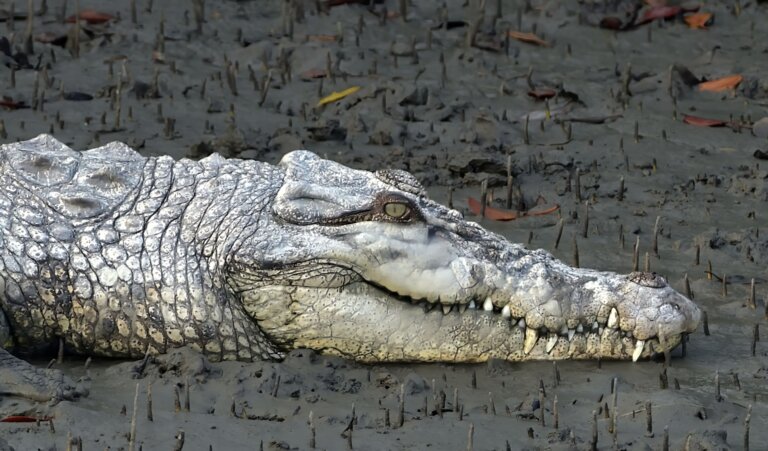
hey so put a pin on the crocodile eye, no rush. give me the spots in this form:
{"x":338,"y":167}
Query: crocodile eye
{"x":396,"y":210}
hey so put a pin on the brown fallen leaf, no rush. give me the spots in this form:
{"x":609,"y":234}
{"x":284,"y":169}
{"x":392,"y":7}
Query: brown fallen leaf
{"x":10,"y":104}
{"x":497,"y":214}
{"x":91,"y":16}
{"x":542,"y":93}
{"x":699,"y":21}
{"x":703,"y":122}
{"x":323,"y":37}
{"x":528,"y":38}
{"x":721,"y":84}
{"x":312,"y":74}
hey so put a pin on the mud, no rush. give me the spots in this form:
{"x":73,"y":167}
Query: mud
{"x":241,"y":81}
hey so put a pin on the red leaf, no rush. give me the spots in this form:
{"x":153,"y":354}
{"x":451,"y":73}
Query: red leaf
{"x":92,"y":17}
{"x":703,"y":122}
{"x":659,"y":12}
{"x":23,"y":419}
{"x":497,"y":214}
{"x":542,"y":93}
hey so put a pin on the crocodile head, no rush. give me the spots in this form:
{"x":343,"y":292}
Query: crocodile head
{"x":365,"y":266}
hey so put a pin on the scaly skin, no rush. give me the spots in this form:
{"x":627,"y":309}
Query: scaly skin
{"x":119,"y":255}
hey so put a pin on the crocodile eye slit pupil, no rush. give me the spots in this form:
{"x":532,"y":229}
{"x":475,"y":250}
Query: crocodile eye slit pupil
{"x":396,"y":210}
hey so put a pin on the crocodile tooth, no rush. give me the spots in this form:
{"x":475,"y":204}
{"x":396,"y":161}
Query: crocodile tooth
{"x":638,"y":350}
{"x":428,"y":306}
{"x":613,"y":318}
{"x":551,"y":342}
{"x":595,"y":327}
{"x":472,"y":305}
{"x":531,"y":337}
{"x":580,"y":328}
{"x":600,"y":330}
{"x":571,"y":333}
{"x":521,"y":324}
{"x":505,"y":312}
{"x":512,"y":322}
{"x":447,"y":308}
{"x":462,"y":307}
{"x":488,"y":305}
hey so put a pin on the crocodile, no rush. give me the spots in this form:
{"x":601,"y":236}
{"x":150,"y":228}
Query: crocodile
{"x":109,"y":253}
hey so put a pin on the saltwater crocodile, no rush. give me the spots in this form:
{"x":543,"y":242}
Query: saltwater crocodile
{"x":115,"y":254}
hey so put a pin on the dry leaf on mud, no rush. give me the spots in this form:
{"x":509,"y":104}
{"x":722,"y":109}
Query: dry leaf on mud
{"x":542,"y":93}
{"x":10,"y":104}
{"x":699,"y":20}
{"x":497,"y":214}
{"x":92,"y":17}
{"x":334,"y":96}
{"x":703,"y":121}
{"x":323,"y":37}
{"x":528,"y":38}
{"x":721,"y":84}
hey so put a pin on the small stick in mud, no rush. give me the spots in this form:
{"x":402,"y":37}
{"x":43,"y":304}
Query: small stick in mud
{"x":401,"y":408}
{"x":60,"y":355}
{"x":312,"y":430}
{"x":461,"y":412}
{"x":636,"y":255}
{"x":186,"y":394}
{"x":456,"y":399}
{"x":655,"y":242}
{"x":687,"y":283}
{"x":745,"y":443}
{"x":470,"y":436}
{"x":577,"y":185}
{"x":755,"y":338}
{"x":441,"y":403}
{"x":663,"y":379}
{"x":526,"y":138}
{"x":697,"y":259}
{"x":648,"y":419}
{"x":709,"y":269}
{"x":179,"y":445}
{"x":585,"y":225}
{"x":492,"y":405}
{"x":560,"y":225}
{"x":593,"y":443}
{"x":150,"y":416}
{"x":612,"y":425}
{"x":473,"y":382}
{"x":555,"y":414}
{"x":637,"y":132}
{"x":575,"y":252}
{"x":176,"y":399}
{"x":647,"y":265}
{"x":705,"y":322}
{"x":555,"y":374}
{"x":483,"y":199}
{"x":386,"y":418}
{"x":665,"y":440}
{"x":132,"y":434}
{"x":718,"y":396}
{"x":276,"y":387}
{"x":620,"y":195}
{"x":725,"y":285}
{"x":425,"y":409}
{"x":752,"y":303}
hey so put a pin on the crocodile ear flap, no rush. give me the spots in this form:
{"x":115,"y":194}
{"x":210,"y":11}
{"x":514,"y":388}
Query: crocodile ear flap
{"x":315,"y":190}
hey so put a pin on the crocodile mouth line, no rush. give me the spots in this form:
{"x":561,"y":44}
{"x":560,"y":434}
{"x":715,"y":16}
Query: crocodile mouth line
{"x":650,"y":347}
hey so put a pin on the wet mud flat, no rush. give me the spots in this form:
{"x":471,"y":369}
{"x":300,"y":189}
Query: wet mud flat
{"x":594,"y":107}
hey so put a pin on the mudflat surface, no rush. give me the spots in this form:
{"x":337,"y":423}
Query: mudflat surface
{"x":454,"y":114}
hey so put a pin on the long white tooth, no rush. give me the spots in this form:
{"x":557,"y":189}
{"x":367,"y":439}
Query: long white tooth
{"x":613,"y":318}
{"x":638,"y":350}
{"x":488,"y":305}
{"x":472,"y":305}
{"x":521,"y":324}
{"x":551,"y":342}
{"x":531,"y":337}
{"x":447,"y":308}
{"x":571,"y":333}
{"x":579,"y":328}
{"x":462,"y":307}
{"x":505,"y":312}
